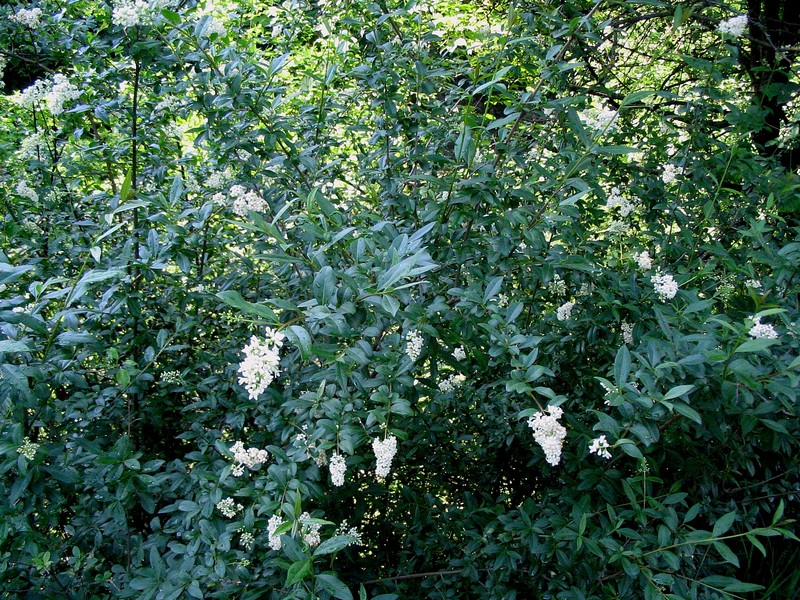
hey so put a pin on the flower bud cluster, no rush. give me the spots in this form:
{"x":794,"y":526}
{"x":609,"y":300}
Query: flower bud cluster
{"x":28,"y":449}
{"x":414,"y":344}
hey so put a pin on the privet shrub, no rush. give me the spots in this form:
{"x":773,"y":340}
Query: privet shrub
{"x":367,"y":300}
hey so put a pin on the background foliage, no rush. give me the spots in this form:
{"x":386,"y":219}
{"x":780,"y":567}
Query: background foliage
{"x":435,"y":167}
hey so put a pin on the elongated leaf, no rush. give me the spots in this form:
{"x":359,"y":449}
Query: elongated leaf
{"x":234,"y":299}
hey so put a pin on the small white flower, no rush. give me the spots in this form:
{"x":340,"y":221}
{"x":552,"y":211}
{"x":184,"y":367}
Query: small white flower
{"x":734,"y":26}
{"x":246,"y":457}
{"x":665,"y":286}
{"x":228,"y":507}
{"x":384,"y":454}
{"x":564,"y":312}
{"x":245,"y":200}
{"x":28,"y":449}
{"x":24,"y":190}
{"x":353,"y":532}
{"x":310,"y":531}
{"x":61,"y":91}
{"x":459,"y":353}
{"x":558,"y":287}
{"x":337,"y":467}
{"x":643,"y":260}
{"x":246,"y":540}
{"x":414,"y":343}
{"x":30,"y":17}
{"x":172,"y":377}
{"x":762,"y":331}
{"x":451,"y":383}
{"x":753,"y":284}
{"x":617,"y":200}
{"x":627,"y":332}
{"x":670,"y":172}
{"x":272,"y":525}
{"x":549,"y":433}
{"x":261,"y":363}
{"x":600,"y":447}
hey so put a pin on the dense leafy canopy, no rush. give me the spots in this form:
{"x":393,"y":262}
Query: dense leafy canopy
{"x":508,"y":293}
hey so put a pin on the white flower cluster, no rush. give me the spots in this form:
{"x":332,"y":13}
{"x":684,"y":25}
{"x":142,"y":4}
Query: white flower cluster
{"x":451,"y":383}
{"x":245,"y":200}
{"x":643,"y":260}
{"x":459,"y":353}
{"x":414,"y":344}
{"x":26,"y":191}
{"x":558,"y":287}
{"x":617,"y":200}
{"x":272,"y":525}
{"x":549,"y":433}
{"x":627,"y":332}
{"x":29,"y":17}
{"x":599,"y":119}
{"x":261,"y":362}
{"x":61,"y":91}
{"x":564,"y":312}
{"x":352,"y":532}
{"x":171,"y":377}
{"x":762,"y":331}
{"x":310,"y":531}
{"x":215,"y":25}
{"x":228,"y":507}
{"x":665,"y":286}
{"x":600,"y":447}
{"x":384,"y":454}
{"x":734,"y":26}
{"x":670,"y":173}
{"x":54,"y":93}
{"x":753,"y":284}
{"x":216,"y":180}
{"x":28,"y":448}
{"x":246,"y":540}
{"x":246,"y":457}
{"x":133,"y":13}
{"x":338,"y":468}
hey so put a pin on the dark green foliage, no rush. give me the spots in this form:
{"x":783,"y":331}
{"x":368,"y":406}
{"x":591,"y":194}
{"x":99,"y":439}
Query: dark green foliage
{"x":455,"y":172}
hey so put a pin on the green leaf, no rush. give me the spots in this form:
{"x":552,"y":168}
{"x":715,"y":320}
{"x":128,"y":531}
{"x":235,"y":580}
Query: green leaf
{"x":635,"y":97}
{"x":127,"y":187}
{"x":755,"y":345}
{"x":678,"y":390}
{"x":333,"y":544}
{"x":298,"y":571}
{"x":334,"y":586}
{"x":492,"y":288}
{"x":688,"y":411}
{"x":234,"y":299}
{"x":622,"y":366}
{"x":726,"y":553}
{"x":778,"y":513}
{"x":723,"y":524}
{"x":13,"y":346}
{"x":300,"y":338}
